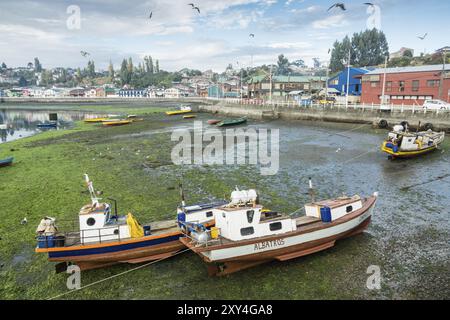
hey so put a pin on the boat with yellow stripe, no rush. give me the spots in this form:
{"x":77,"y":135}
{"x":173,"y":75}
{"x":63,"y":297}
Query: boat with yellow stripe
{"x":182,"y":110}
{"x":109,"y":122}
{"x":402,"y":143}
{"x":105,"y":238}
{"x":95,"y":120}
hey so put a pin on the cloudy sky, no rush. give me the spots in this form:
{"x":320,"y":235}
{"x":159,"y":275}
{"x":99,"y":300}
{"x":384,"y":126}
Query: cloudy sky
{"x":180,"y":37}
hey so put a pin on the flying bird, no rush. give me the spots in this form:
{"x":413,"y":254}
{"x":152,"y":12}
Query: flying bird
{"x":424,"y":36}
{"x":196,"y":8}
{"x":85,"y":54}
{"x":192,"y":5}
{"x":151,"y":15}
{"x":369,"y":4}
{"x":251,"y":35}
{"x":338,"y":5}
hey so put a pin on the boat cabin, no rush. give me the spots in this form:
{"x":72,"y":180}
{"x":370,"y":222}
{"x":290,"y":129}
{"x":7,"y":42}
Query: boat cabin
{"x":330,"y":210}
{"x":240,"y":223}
{"x":198,"y":213}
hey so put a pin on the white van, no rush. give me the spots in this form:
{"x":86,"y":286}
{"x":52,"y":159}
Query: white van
{"x":436,"y":105}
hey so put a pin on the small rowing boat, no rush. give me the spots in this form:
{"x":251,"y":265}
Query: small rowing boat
{"x":95,"y":120}
{"x":47,"y":125}
{"x":402,"y":143}
{"x":213,"y":121}
{"x":245,"y":235}
{"x":116,"y":122}
{"x":231,"y":122}
{"x":182,"y":110}
{"x":6,"y":162}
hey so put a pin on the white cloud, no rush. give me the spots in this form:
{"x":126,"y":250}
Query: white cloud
{"x":330,"y":22}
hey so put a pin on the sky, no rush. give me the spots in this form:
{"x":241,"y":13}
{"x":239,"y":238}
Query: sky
{"x":180,"y":37}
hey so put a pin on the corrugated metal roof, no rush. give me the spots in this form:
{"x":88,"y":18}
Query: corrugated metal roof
{"x":286,"y":79}
{"x":428,"y":68}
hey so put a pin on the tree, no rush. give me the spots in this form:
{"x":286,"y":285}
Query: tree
{"x":30,"y":65}
{"x":282,"y":65}
{"x":408,"y":53}
{"x":124,"y":72}
{"x":4,"y":66}
{"x":368,"y":48}
{"x":90,"y":69}
{"x":111,"y":73}
{"x":37,"y":65}
{"x":22,"y":82}
{"x":157,"y":66}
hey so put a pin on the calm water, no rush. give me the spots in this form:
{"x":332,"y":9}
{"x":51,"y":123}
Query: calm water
{"x":16,"y":124}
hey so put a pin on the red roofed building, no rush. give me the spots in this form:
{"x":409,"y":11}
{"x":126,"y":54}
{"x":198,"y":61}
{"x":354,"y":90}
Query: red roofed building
{"x":406,"y":85}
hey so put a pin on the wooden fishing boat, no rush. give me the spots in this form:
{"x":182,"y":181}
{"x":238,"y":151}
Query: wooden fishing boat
{"x":95,"y":120}
{"x":245,"y":235}
{"x":105,"y":238}
{"x":231,"y":122}
{"x":213,"y":121}
{"x":116,"y":122}
{"x":182,"y":110}
{"x":401,"y":143}
{"x":6,"y":162}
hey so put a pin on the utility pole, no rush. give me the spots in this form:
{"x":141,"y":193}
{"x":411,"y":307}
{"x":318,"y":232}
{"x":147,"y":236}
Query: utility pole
{"x":348,"y":77}
{"x":384,"y":82}
{"x":441,"y":85}
{"x":271,"y":77}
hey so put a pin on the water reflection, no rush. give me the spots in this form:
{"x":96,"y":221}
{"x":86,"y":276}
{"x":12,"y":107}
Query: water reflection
{"x":16,"y":124}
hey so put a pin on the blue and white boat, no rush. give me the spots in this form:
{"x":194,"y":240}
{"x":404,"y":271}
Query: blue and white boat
{"x":105,"y":238}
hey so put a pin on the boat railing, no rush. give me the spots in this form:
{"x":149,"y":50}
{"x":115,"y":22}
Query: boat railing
{"x":210,"y":240}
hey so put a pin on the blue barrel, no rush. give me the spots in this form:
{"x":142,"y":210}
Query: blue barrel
{"x":325,"y":214}
{"x":147,"y":230}
{"x":181,"y":217}
{"x":46,"y":242}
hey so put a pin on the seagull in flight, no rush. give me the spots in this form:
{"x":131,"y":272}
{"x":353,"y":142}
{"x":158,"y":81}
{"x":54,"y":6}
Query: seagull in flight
{"x":424,"y":36}
{"x":370,"y":4}
{"x":85,"y":54}
{"x":196,"y":8}
{"x":338,"y":5}
{"x":192,"y":5}
{"x":251,"y":35}
{"x":151,"y":15}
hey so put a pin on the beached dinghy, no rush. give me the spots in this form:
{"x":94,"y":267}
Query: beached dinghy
{"x":213,"y":121}
{"x":6,"y":162}
{"x":401,"y":143}
{"x":245,"y":235}
{"x":182,"y":110}
{"x":105,"y":238}
{"x":231,"y":122}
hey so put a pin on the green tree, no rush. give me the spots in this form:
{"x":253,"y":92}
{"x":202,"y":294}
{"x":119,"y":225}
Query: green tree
{"x":22,"y":82}
{"x":339,"y":55}
{"x":111,"y":73}
{"x":282,"y":65}
{"x":90,"y":69}
{"x":157,"y":66}
{"x":4,"y":66}
{"x":37,"y":65}
{"x":369,"y":48}
{"x":124,"y":72}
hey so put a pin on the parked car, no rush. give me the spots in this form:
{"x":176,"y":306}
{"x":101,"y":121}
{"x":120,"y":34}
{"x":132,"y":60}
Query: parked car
{"x":436,"y":105}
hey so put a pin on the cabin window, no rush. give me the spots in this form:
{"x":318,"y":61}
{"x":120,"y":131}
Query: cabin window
{"x":247,"y":231}
{"x":349,"y":209}
{"x":250,"y":215}
{"x":275,"y":226}
{"x":209,"y":214}
{"x":90,"y":222}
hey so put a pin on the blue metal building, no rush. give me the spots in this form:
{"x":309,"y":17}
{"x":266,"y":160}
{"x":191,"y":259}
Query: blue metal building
{"x":339,"y":82}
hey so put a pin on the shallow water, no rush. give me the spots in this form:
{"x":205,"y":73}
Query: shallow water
{"x":21,"y":123}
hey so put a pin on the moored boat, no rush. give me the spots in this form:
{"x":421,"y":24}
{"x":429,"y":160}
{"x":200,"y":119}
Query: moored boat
{"x":106,"y":238}
{"x":116,"y":122}
{"x":95,"y":120}
{"x":190,"y":117}
{"x":245,"y":235}
{"x":231,"y":122}
{"x":182,"y":110}
{"x":402,"y":143}
{"x":47,"y":125}
{"x":213,"y":121}
{"x":6,"y":162}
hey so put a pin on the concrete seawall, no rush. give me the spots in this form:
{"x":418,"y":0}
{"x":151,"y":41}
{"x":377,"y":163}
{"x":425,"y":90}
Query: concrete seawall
{"x":439,"y":121}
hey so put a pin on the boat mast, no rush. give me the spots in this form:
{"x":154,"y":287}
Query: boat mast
{"x":94,"y":199}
